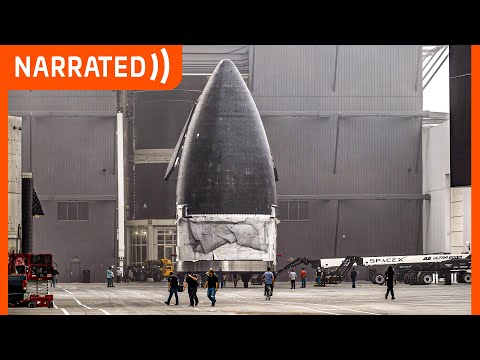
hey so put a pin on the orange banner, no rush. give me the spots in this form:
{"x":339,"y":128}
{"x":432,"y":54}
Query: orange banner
{"x":475,"y":175}
{"x":84,"y":67}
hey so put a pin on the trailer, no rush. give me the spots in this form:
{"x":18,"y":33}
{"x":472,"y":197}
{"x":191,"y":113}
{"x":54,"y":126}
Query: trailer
{"x":452,"y":271}
{"x":411,"y":269}
{"x":421,"y":269}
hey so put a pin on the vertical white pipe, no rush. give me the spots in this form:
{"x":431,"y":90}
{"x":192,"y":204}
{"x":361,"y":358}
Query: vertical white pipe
{"x":120,"y":187}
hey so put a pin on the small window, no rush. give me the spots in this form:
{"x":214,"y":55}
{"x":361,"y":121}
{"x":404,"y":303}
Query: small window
{"x":160,"y":252}
{"x":82,"y":211}
{"x":144,"y":253}
{"x":62,"y":211}
{"x":293,"y":210}
{"x":303,"y":210}
{"x":72,"y":210}
{"x":168,"y":252}
{"x":283,"y":210}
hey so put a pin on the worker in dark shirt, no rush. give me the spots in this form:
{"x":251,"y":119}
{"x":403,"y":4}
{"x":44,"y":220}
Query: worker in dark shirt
{"x":192,"y":282}
{"x":212,"y":286}
{"x":390,"y":279}
{"x":172,"y":288}
{"x":353,"y":276}
{"x":235,"y":279}
{"x":323,"y":278}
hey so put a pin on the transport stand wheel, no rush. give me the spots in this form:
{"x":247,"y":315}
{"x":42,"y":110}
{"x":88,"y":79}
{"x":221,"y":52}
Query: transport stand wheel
{"x":31,"y":304}
{"x":427,"y":279}
{"x":50,"y":305}
{"x":413,"y":279}
{"x":467,"y":278}
{"x":420,"y":278}
{"x":378,"y":279}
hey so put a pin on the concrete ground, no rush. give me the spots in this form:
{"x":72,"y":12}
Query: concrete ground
{"x":341,"y":299}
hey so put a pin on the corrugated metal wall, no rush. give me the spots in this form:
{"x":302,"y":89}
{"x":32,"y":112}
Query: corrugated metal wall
{"x":62,"y":100}
{"x":365,"y":227}
{"x":92,"y":242}
{"x":375,"y":154}
{"x":87,"y":163}
{"x":158,"y":119}
{"x":69,"y":145}
{"x":436,"y":182}
{"x":376,"y":77}
{"x":153,"y":202}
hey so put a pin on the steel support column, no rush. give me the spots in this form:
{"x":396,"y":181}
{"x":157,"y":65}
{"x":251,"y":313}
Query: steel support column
{"x":337,"y":119}
{"x":335,"y":70}
{"x":335,"y":244}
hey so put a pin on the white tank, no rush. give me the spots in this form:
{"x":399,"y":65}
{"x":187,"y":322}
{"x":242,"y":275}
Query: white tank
{"x":14,"y":183}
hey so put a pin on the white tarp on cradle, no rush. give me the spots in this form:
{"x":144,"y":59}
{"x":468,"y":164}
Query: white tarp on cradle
{"x":227,"y":237}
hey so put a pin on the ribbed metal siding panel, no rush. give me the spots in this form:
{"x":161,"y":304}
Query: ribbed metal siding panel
{"x":161,"y":115}
{"x":154,"y":198}
{"x":26,"y":164}
{"x":381,"y":227}
{"x":332,"y":103}
{"x":436,"y":211}
{"x":70,"y":153}
{"x":313,"y":238}
{"x":371,"y":228}
{"x":62,"y":100}
{"x":436,"y":156}
{"x":436,"y":165}
{"x":204,"y":58}
{"x":293,"y":71}
{"x":92,"y":241}
{"x":376,"y":77}
{"x":375,"y":155}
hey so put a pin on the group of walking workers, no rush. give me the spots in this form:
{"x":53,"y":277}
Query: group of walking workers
{"x":191,"y":284}
{"x":193,"y":281}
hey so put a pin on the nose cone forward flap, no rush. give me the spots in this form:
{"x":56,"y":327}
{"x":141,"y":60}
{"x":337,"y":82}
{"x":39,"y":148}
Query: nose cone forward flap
{"x":226,"y":165}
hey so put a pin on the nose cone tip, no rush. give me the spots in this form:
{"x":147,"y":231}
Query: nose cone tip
{"x":226,"y":64}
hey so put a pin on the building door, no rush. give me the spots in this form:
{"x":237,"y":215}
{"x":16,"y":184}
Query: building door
{"x":75,"y":273}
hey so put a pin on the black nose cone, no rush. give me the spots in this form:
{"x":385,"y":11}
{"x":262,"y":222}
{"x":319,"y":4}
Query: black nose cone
{"x":226,"y":165}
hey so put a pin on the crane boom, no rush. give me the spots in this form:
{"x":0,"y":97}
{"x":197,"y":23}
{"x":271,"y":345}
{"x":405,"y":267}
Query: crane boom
{"x":298,"y":261}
